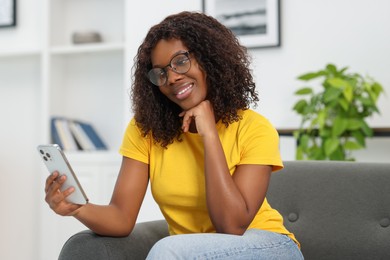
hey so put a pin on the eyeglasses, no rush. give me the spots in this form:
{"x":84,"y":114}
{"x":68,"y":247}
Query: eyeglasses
{"x":180,"y":63}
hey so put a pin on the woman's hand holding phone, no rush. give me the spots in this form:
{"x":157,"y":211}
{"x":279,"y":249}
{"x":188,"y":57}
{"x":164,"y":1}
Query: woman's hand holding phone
{"x":64,"y":193}
{"x":57,"y":198}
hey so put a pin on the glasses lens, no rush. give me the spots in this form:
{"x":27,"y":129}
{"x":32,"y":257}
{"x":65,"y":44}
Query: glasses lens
{"x":181,"y":63}
{"x":157,"y":76}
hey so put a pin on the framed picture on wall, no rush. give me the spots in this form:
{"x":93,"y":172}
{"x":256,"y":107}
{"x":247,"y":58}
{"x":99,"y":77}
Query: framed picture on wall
{"x":7,"y":13}
{"x":256,"y":23}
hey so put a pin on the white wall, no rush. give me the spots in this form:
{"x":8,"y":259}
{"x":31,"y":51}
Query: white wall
{"x":350,"y":33}
{"x":18,"y":175}
{"x":353,"y":33}
{"x":27,"y":35}
{"x":19,"y":111}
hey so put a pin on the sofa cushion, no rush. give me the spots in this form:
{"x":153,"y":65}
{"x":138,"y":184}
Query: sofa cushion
{"x":337,"y":210}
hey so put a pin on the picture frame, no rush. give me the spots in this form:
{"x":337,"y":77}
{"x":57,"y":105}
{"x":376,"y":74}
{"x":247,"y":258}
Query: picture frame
{"x":7,"y":13}
{"x":256,"y":23}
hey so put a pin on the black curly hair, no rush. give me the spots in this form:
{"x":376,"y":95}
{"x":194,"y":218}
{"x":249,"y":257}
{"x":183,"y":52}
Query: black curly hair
{"x":217,"y":50}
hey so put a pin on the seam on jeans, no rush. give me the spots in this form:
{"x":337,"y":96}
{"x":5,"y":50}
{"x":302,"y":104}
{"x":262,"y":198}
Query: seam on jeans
{"x":273,"y":245}
{"x":216,"y":255}
{"x":236,"y":250}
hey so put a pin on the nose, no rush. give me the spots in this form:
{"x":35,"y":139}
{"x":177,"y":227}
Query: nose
{"x":173,"y":76}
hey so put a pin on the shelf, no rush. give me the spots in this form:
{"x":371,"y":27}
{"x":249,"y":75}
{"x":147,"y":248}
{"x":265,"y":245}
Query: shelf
{"x":102,"y":16}
{"x":17,"y":53}
{"x":84,"y":82}
{"x":377,"y":131}
{"x":87,"y":48}
{"x":90,"y":88}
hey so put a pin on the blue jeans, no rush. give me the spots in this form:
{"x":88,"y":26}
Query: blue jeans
{"x":253,"y":244}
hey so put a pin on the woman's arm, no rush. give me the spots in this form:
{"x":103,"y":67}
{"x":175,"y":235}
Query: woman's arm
{"x":116,"y":219}
{"x":234,"y":200}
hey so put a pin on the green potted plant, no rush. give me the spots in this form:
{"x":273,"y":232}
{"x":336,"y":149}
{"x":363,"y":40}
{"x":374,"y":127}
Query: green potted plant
{"x":334,"y":114}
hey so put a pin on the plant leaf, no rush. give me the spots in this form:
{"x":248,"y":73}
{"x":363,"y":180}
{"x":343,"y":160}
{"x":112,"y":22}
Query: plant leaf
{"x":299,"y":153}
{"x":316,"y":153}
{"x":350,"y":145}
{"x":331,"y":68}
{"x":339,"y":126}
{"x":359,"y":137}
{"x":354,"y":124}
{"x":344,"y":104}
{"x":303,"y":91}
{"x":337,"y":82}
{"x":348,"y":93}
{"x":331,"y":94}
{"x":321,"y":119}
{"x":374,"y":89}
{"x":343,"y":70}
{"x":377,"y":88}
{"x":366,"y":129}
{"x":311,"y":75}
{"x":300,"y":106}
{"x":325,"y":132}
{"x":366,"y":101}
{"x":338,"y":154}
{"x":303,"y":141}
{"x":331,"y":145}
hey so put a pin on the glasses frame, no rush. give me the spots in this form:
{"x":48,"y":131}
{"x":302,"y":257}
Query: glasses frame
{"x":165,"y":71}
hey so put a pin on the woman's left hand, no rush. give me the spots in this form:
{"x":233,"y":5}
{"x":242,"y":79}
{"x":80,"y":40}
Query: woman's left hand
{"x":203,"y":114}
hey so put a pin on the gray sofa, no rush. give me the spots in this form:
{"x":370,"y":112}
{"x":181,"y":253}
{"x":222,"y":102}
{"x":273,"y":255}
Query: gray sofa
{"x":337,"y":210}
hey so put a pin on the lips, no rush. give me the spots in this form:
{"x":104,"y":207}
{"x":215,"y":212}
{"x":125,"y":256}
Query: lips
{"x":185,"y":91}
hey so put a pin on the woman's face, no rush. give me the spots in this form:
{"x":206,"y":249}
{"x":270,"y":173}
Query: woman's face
{"x":186,"y":90}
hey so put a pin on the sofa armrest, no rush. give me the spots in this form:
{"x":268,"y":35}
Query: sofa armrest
{"x":87,"y":245}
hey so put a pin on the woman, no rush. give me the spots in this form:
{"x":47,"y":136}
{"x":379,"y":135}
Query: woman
{"x":207,"y":156}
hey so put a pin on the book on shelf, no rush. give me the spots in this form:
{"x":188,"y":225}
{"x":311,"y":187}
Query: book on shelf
{"x":73,"y":134}
{"x":55,"y":136}
{"x":66,"y":137}
{"x":82,"y":138}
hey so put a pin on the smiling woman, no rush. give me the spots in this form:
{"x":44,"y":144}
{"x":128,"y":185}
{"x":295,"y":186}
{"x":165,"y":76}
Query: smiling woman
{"x":185,"y":80}
{"x":229,"y":82}
{"x":207,"y":156}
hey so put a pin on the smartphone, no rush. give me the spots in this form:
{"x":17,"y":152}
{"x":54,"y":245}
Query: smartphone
{"x":55,"y":160}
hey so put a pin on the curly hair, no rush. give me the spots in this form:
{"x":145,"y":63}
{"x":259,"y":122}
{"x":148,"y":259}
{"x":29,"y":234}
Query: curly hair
{"x":226,"y":63}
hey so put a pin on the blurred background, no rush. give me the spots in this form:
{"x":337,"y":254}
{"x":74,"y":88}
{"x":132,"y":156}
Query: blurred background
{"x":72,"y":59}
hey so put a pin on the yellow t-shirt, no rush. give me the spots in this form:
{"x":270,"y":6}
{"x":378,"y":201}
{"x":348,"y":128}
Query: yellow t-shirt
{"x":177,"y":173}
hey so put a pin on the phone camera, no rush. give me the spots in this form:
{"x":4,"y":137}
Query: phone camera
{"x":42,"y":152}
{"x":48,"y":155}
{"x":45,"y":158}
